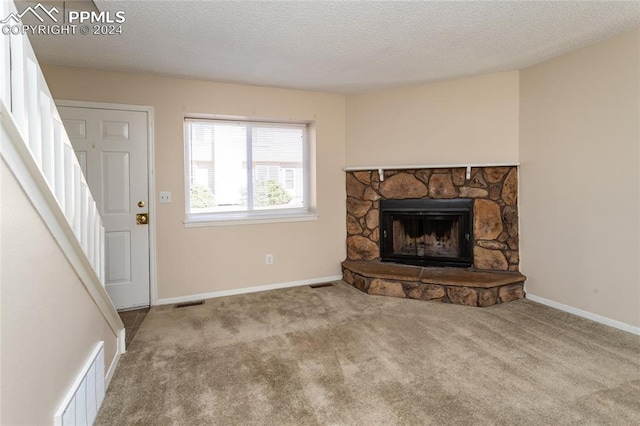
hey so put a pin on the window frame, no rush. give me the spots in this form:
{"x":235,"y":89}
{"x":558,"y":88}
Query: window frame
{"x":292,"y":180}
{"x":250,"y":215}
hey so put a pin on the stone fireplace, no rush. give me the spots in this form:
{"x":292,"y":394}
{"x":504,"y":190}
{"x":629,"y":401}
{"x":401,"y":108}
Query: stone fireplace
{"x":435,"y":219}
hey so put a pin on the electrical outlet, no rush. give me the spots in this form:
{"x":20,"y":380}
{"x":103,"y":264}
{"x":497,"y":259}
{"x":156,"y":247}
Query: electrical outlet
{"x":268,"y":259}
{"x":165,"y":196}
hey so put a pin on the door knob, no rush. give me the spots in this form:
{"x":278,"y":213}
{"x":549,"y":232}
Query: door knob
{"x":141,"y":204}
{"x":142,"y":218}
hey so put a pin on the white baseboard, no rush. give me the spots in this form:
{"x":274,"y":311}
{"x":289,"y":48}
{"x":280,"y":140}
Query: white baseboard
{"x":192,"y":297}
{"x":112,"y":369}
{"x":120,"y":349}
{"x":122,"y":341}
{"x":584,"y":314}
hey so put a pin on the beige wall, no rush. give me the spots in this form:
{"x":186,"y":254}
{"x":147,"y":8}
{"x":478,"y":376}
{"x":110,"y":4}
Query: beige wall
{"x":472,"y":120}
{"x":49,"y":323}
{"x":573,"y":119}
{"x":202,"y":260}
{"x":579,"y":180}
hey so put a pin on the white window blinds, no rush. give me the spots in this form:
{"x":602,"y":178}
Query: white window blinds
{"x":236,"y":166}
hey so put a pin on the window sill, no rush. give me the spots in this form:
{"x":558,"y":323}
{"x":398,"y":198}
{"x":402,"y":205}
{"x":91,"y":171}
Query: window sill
{"x":230,"y":220}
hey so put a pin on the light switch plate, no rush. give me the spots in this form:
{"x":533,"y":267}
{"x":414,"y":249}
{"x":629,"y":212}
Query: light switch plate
{"x":165,"y":196}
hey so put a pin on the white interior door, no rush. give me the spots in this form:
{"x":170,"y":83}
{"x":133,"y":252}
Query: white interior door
{"x":111,"y":146}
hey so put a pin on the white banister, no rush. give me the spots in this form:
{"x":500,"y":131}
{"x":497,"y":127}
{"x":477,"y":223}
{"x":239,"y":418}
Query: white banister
{"x":91,"y":234}
{"x":69,"y":187}
{"x":31,"y":119}
{"x":97,"y":261}
{"x":84,"y":217}
{"x":102,"y":257}
{"x":60,"y":163}
{"x":5,"y":69}
{"x":17,"y":74}
{"x":48,"y":140}
{"x":77,"y":201}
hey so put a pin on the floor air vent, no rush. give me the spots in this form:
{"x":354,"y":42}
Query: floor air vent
{"x":321,"y":285}
{"x":186,"y":304}
{"x":84,"y":398}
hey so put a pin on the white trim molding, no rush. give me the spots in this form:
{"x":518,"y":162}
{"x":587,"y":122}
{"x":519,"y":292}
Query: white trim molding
{"x":102,"y":105}
{"x":113,"y":365}
{"x":585,"y":314}
{"x":122,"y":339}
{"x":255,"y":289}
{"x":195,"y":222}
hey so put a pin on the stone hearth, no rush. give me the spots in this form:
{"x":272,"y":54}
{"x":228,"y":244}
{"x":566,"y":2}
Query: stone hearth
{"x":447,"y":285}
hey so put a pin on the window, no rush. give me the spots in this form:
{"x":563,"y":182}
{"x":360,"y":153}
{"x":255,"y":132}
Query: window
{"x":243,"y":170}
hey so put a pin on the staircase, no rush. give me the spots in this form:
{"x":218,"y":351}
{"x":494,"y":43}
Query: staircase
{"x":35,"y":147}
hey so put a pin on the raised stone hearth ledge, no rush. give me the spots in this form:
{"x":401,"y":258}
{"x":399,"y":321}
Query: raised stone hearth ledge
{"x":448,"y":285}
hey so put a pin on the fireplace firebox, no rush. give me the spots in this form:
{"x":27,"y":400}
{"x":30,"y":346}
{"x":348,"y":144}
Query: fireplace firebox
{"x":427,"y":232}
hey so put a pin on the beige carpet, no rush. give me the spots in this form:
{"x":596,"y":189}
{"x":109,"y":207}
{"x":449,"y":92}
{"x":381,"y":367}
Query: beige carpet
{"x":335,"y":356}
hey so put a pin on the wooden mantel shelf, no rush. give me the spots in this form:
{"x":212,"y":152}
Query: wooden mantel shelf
{"x":429,"y":166}
{"x":467,"y":166}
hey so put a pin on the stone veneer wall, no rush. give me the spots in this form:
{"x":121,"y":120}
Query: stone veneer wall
{"x":495,"y":209}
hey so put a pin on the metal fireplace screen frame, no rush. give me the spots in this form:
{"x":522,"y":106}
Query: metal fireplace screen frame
{"x":427,"y":232}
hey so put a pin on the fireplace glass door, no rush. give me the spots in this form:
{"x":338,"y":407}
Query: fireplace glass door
{"x":426,"y":232}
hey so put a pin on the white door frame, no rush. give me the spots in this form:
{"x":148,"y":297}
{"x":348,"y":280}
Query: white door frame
{"x":153,"y":282}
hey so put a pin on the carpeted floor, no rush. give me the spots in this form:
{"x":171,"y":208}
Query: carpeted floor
{"x":334,"y":355}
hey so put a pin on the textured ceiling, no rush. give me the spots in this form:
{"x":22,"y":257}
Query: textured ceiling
{"x":345,"y":47}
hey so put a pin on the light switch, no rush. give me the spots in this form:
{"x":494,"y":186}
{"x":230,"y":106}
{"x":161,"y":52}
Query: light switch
{"x":165,"y":196}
